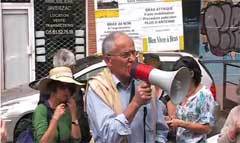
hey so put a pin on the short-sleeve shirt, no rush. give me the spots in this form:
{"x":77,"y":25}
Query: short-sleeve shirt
{"x":198,"y":109}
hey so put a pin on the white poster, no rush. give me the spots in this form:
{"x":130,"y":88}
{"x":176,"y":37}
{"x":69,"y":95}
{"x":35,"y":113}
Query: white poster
{"x":155,"y":25}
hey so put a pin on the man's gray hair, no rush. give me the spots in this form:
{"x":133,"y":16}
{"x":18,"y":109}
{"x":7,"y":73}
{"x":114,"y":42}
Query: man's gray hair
{"x":64,"y":57}
{"x":109,"y":42}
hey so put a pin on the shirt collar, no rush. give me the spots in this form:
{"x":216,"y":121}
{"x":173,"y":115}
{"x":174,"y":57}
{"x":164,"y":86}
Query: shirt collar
{"x":195,"y":95}
{"x":115,"y":79}
{"x":118,"y":83}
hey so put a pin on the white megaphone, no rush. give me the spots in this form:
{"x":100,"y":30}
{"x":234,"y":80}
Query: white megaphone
{"x":176,"y":83}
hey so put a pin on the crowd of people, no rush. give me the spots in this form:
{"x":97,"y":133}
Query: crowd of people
{"x":122,"y":109}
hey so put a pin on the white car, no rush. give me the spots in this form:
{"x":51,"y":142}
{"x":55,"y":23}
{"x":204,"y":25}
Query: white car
{"x":18,"y":104}
{"x":213,"y":139}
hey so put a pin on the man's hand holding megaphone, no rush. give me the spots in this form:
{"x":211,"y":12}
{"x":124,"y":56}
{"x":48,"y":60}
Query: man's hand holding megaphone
{"x":143,"y":94}
{"x":141,"y":97}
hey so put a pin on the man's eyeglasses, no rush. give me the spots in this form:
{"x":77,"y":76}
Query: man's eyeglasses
{"x":126,"y":55}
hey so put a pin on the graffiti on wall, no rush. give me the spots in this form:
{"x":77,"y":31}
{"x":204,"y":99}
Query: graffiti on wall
{"x":221,"y":25}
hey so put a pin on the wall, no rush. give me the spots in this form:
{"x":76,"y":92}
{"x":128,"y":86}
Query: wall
{"x":220,"y":45}
{"x":91,"y":28}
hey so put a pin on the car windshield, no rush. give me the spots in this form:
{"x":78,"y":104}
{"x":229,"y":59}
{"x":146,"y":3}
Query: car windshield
{"x":91,"y":62}
{"x":85,"y":77}
{"x":86,"y":62}
{"x":164,"y":61}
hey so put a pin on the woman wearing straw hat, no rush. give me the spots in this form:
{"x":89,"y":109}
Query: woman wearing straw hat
{"x":55,"y":120}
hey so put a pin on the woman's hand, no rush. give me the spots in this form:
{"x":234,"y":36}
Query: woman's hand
{"x":174,"y":123}
{"x":72,"y":108}
{"x":233,"y":133}
{"x":49,"y":135}
{"x":59,"y":111}
{"x":76,"y":132}
{"x":194,"y":127}
{"x":238,"y":126}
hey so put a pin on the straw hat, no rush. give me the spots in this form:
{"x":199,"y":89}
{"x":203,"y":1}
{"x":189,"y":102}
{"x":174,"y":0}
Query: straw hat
{"x":62,"y":74}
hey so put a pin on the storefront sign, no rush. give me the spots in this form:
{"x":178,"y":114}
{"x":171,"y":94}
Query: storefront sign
{"x":59,"y":18}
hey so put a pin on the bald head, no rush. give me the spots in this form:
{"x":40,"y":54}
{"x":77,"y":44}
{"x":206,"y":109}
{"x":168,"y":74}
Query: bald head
{"x":110,"y":41}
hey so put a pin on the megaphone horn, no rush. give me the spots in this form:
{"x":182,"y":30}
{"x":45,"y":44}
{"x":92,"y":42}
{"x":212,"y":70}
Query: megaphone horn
{"x":176,"y":83}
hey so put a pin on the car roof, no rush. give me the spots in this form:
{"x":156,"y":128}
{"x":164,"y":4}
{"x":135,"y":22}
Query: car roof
{"x":87,"y":61}
{"x":168,"y":56}
{"x":100,"y":64}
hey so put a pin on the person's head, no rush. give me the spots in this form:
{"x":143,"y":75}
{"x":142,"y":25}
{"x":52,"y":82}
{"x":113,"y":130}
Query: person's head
{"x":192,"y":65}
{"x":60,"y":90}
{"x":153,"y":60}
{"x":119,"y":54}
{"x":59,"y":84}
{"x":64,"y":57}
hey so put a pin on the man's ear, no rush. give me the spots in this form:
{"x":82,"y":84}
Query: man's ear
{"x":107,"y":60}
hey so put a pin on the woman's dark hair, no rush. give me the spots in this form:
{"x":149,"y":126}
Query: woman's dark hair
{"x":53,"y":85}
{"x":190,"y":63}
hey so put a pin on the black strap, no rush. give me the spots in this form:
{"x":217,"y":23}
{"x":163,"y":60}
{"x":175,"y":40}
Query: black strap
{"x":144,"y":111}
{"x":49,"y":111}
{"x":144,"y":123}
{"x":132,"y":91}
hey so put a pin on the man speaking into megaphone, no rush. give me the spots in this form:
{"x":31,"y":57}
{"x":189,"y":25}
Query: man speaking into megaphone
{"x":121,"y":108}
